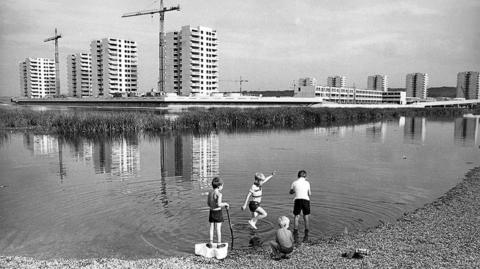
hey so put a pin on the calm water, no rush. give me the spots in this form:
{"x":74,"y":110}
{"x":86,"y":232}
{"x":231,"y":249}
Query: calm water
{"x":145,"y":196}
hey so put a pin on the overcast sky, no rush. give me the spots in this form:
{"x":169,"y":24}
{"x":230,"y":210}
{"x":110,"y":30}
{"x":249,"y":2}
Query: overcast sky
{"x":269,"y":42}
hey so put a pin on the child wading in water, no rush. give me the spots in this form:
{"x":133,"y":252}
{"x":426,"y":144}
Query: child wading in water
{"x":301,"y":189}
{"x":283,"y":243}
{"x":256,"y":194}
{"x":216,"y":216}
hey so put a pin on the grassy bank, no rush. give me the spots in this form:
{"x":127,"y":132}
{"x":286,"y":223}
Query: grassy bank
{"x":114,"y":123}
{"x":442,"y":234}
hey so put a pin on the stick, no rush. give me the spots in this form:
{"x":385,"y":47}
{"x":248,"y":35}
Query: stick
{"x":230,"y":224}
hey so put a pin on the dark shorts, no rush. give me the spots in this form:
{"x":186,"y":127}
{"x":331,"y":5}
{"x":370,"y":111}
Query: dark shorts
{"x":301,"y":205}
{"x":285,"y":250}
{"x":253,"y":206}
{"x":215,"y":216}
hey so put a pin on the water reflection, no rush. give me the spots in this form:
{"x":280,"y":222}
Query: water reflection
{"x":414,"y":129}
{"x":119,"y":157}
{"x":466,"y":131}
{"x":333,"y":131}
{"x":191,"y":157}
{"x":377,"y":132}
{"x":47,"y":145}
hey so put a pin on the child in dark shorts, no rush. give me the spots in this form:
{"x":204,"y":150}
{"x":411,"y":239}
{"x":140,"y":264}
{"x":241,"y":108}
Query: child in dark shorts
{"x":215,"y":217}
{"x":256,"y":193}
{"x":301,"y":189}
{"x":283,"y":244}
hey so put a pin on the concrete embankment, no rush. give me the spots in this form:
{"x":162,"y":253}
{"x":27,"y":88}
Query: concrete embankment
{"x":442,"y":234}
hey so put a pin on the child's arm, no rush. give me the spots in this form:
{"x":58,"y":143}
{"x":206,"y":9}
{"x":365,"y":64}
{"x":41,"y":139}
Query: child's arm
{"x":246,"y":200}
{"x":268,"y":178}
{"x":220,"y":203}
{"x":309,"y":191}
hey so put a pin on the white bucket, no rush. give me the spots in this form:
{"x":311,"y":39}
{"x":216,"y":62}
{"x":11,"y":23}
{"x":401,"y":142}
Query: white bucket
{"x":213,"y":252}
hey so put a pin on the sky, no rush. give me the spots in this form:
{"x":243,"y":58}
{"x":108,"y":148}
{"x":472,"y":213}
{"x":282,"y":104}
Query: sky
{"x":270,"y":43}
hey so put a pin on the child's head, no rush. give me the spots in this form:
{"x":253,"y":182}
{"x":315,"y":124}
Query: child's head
{"x":283,"y":222}
{"x":302,"y":173}
{"x":217,"y":183}
{"x":259,"y":177}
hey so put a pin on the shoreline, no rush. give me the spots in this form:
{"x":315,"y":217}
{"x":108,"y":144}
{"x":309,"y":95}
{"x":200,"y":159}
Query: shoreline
{"x":441,"y":234}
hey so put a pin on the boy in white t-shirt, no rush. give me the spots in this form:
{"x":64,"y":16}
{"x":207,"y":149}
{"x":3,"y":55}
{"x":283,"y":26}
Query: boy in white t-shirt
{"x":301,"y":189}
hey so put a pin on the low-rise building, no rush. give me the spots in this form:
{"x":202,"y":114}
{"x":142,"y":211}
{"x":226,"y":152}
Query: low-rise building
{"x":350,"y":95}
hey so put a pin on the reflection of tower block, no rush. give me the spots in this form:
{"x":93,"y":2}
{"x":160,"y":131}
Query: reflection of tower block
{"x":206,"y":157}
{"x":213,"y":252}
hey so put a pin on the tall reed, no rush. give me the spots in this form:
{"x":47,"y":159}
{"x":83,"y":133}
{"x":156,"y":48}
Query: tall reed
{"x":202,"y":120}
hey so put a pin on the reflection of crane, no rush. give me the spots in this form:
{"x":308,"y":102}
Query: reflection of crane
{"x":240,"y":81}
{"x":161,"y":52}
{"x":57,"y":75}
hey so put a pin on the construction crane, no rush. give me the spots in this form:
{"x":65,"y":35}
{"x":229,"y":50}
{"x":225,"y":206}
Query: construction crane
{"x":240,"y":82}
{"x":161,"y":52}
{"x":57,"y":67}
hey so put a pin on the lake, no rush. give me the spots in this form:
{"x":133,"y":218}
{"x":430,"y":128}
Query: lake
{"x":144,"y":196}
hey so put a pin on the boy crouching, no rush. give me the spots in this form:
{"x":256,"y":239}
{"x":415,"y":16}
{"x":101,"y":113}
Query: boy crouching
{"x":283,"y":243}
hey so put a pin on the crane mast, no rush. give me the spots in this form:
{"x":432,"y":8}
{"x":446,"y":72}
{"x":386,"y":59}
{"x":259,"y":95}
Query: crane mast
{"x":57,"y":65}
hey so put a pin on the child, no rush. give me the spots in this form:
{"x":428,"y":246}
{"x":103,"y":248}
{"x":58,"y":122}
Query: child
{"x":216,"y":216}
{"x":301,"y":189}
{"x":256,"y":194}
{"x":283,"y":243}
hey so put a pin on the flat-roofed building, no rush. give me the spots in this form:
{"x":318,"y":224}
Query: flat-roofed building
{"x":37,"y":78}
{"x":416,"y":85}
{"x":350,"y":95}
{"x":468,"y":85}
{"x":377,"y":83}
{"x":191,"y":61}
{"x":79,"y":74}
{"x":337,"y":81}
{"x":114,"y":67}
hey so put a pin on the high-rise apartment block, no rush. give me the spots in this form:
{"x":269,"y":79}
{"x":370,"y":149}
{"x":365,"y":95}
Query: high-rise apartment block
{"x":307,"y":82}
{"x":191,"y":61}
{"x":79,"y":74}
{"x":377,"y":83}
{"x":337,"y":81}
{"x":37,"y":78}
{"x":468,"y":85}
{"x":416,"y":85}
{"x":114,"y":67}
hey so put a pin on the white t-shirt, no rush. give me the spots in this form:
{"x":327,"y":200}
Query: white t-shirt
{"x":301,"y":188}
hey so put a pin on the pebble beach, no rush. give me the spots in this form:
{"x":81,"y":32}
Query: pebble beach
{"x":442,"y":234}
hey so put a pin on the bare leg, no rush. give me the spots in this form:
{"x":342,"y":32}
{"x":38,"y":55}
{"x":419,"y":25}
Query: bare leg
{"x":211,"y":234}
{"x":261,"y":213}
{"x":275,"y":249}
{"x":295,"y":224}
{"x":219,"y":232}
{"x":307,"y":222}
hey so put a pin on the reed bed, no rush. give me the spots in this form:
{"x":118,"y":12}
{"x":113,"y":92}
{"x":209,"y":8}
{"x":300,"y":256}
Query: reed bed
{"x":97,"y":123}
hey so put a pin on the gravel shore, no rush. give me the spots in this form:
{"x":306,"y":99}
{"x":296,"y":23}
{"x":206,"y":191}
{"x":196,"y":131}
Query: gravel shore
{"x":442,"y":234}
